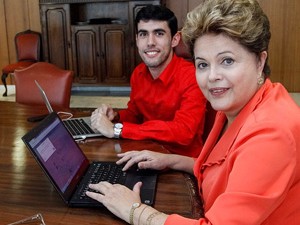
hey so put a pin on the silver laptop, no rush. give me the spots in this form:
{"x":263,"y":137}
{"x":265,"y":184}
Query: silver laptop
{"x":80,"y":127}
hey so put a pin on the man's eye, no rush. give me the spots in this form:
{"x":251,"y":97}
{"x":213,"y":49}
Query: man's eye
{"x":142,"y":34}
{"x":159,"y":33}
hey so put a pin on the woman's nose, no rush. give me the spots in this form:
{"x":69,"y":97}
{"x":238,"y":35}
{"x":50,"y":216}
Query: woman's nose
{"x":214,"y":74}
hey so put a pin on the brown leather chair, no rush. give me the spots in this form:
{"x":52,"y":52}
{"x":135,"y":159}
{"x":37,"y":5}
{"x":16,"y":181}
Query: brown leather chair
{"x":210,"y":116}
{"x":56,"y":82}
{"x":28,"y":48}
{"x":182,"y":50}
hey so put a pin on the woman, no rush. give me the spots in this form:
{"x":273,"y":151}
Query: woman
{"x":248,"y":171}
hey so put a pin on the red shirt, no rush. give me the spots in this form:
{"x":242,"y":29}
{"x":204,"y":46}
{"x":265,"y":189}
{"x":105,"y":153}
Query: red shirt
{"x":169,"y":109}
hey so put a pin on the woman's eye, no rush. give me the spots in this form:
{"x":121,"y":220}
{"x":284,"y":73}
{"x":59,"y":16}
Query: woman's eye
{"x":228,"y":61}
{"x":201,"y":66}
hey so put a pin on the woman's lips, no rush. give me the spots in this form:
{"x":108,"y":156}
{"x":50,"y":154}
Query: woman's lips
{"x":218,"y":91}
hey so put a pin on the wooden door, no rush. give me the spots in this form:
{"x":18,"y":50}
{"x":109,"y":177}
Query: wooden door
{"x":86,"y":53}
{"x":56,"y":34}
{"x":115,"y":54}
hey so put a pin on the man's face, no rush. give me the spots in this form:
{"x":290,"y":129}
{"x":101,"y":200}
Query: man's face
{"x":154,"y":42}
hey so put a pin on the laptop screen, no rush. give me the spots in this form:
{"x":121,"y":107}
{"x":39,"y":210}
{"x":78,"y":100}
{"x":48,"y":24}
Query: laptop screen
{"x":57,"y":153}
{"x":45,"y":98}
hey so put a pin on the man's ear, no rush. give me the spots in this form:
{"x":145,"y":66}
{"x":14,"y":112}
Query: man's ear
{"x":136,"y":38}
{"x":176,"y":39}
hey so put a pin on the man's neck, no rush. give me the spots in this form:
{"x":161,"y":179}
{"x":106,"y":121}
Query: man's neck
{"x":156,"y":71}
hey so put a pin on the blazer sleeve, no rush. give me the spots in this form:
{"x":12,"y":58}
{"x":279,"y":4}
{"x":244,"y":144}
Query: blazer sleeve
{"x":261,"y":169}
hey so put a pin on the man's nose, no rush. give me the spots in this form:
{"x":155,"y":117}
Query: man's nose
{"x":151,"y":40}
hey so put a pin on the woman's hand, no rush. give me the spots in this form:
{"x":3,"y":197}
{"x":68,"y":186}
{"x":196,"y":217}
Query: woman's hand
{"x":144,"y":159}
{"x":116,"y":198}
{"x":154,"y":160}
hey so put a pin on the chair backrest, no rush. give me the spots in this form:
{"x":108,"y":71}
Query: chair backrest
{"x":28,"y":46}
{"x":181,"y":50}
{"x":57,"y":84}
{"x":210,"y":115}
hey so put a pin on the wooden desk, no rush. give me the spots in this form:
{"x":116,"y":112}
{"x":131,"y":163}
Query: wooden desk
{"x":25,"y":190}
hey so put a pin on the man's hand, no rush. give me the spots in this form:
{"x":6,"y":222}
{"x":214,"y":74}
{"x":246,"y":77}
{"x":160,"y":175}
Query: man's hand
{"x":101,"y":122}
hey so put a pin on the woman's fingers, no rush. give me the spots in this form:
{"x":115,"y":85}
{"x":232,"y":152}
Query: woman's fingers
{"x":130,"y":158}
{"x":137,"y":187}
{"x":101,"y":189}
{"x":144,"y":159}
{"x":117,"y":198}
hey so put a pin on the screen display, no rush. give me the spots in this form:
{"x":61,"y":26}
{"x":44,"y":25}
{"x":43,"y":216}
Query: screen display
{"x":58,"y":153}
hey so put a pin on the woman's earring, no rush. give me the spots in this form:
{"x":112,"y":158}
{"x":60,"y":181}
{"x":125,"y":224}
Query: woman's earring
{"x":260,"y":80}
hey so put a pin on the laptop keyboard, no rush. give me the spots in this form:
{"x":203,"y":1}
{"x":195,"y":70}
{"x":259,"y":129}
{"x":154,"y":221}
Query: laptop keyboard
{"x":78,"y":127}
{"x":103,"y":172}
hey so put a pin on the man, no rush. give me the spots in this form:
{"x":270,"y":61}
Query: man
{"x":165,"y":103}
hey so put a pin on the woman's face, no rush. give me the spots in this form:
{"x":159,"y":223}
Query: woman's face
{"x":226,"y":72}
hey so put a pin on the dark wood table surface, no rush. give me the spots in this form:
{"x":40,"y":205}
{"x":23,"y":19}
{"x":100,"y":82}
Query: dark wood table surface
{"x":25,"y":190}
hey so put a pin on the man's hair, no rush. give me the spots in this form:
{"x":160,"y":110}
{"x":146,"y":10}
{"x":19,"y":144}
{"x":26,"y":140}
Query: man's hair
{"x":159,"y":13}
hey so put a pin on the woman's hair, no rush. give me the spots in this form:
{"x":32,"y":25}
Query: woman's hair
{"x":159,"y":13}
{"x":241,"y":20}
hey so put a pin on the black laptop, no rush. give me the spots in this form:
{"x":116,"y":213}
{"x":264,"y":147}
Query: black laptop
{"x":70,"y":171}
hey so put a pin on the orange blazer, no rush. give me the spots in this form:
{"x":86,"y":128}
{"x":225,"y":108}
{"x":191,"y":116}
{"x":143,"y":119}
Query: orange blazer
{"x":251,"y":175}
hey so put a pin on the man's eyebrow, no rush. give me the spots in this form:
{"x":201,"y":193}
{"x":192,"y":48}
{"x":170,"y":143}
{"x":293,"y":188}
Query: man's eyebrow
{"x":142,"y":31}
{"x":160,"y":30}
{"x":154,"y":31}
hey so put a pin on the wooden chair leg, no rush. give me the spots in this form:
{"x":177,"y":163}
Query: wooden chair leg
{"x":3,"y":78}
